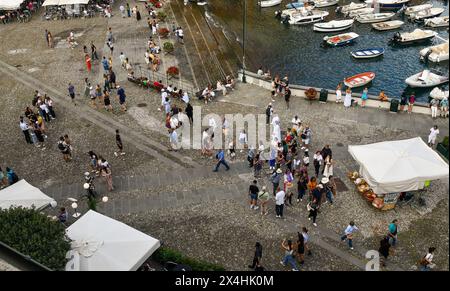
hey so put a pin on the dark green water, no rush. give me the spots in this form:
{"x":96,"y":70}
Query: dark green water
{"x":298,"y":51}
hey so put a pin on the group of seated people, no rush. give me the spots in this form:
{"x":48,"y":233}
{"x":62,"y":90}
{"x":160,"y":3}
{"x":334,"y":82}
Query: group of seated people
{"x":208,"y":93}
{"x":265,"y":75}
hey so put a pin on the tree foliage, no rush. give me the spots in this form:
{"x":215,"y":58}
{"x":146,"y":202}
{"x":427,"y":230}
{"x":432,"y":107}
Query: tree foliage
{"x":35,"y":235}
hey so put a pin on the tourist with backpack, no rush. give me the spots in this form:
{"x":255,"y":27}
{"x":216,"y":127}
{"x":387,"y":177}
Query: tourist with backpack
{"x":12,"y":176}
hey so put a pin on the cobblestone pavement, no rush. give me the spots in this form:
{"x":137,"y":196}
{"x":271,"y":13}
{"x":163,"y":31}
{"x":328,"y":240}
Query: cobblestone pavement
{"x":175,"y":197}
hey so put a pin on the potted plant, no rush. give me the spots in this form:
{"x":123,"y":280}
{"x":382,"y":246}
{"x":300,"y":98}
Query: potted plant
{"x":163,"y":32}
{"x":442,"y":147}
{"x":173,"y":71}
{"x":311,"y":94}
{"x":168,"y":47}
{"x":161,"y":16}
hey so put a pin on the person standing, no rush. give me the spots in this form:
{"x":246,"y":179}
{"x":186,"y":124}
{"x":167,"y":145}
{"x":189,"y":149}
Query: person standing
{"x":112,"y":78}
{"x":287,"y":96}
{"x":434,"y":132}
{"x":257,"y":257}
{"x":128,"y":10}
{"x":122,"y":11}
{"x":189,"y":112}
{"x":173,"y":139}
{"x":411,"y":101}
{"x":264,"y":197}
{"x":426,"y":263}
{"x":122,"y":98}
{"x":220,"y":156}
{"x":105,"y":170}
{"x":301,"y":248}
{"x":138,"y":14}
{"x":403,"y":101}
{"x":288,"y":255}
{"x":50,"y":39}
{"x":64,"y":148}
{"x":306,"y":240}
{"x":269,"y":112}
{"x":46,"y":38}
{"x":105,"y":64}
{"x":434,"y":103}
{"x":312,"y":207}
{"x":253,"y":193}
{"x":25,"y":129}
{"x":328,"y":169}
{"x":71,"y":90}
{"x":392,"y":234}
{"x":119,"y":144}
{"x":12,"y":176}
{"x":348,"y":234}
{"x":276,"y":177}
{"x":444,"y":107}
{"x":88,"y":63}
{"x":364,"y":97}
{"x":3,"y":180}
{"x":107,"y":101}
{"x":279,"y":203}
{"x":348,"y":98}
{"x":384,"y":250}
{"x":317,"y":161}
{"x":339,"y":93}
{"x":301,"y":187}
{"x":94,"y":55}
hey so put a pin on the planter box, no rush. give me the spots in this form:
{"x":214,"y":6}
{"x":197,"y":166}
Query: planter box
{"x":443,"y":150}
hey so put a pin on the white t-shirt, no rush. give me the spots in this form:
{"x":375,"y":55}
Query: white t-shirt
{"x":434,"y":133}
{"x":279,"y":198}
{"x":23,"y":126}
{"x":180,"y":32}
{"x":243,"y":137}
{"x":429,"y":257}
{"x":296,"y":121}
{"x":319,"y":158}
{"x":185,"y":97}
{"x":163,"y":97}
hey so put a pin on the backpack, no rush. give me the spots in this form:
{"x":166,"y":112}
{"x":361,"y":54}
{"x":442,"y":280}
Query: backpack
{"x":15,"y":178}
{"x":61,"y":146}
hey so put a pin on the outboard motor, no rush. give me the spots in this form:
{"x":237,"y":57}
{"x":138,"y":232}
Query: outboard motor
{"x":285,"y":20}
{"x":425,"y":57}
{"x":278,"y":14}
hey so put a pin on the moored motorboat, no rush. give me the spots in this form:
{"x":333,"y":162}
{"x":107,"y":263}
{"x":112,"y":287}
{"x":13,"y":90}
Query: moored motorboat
{"x":375,"y":17}
{"x":414,"y":9}
{"x":368,"y":53}
{"x":387,"y":4}
{"x":438,"y":94}
{"x":306,"y":17}
{"x":359,"y":79}
{"x":388,"y":25}
{"x":356,"y":12}
{"x":349,"y":7}
{"x":418,"y":35}
{"x":335,"y":25}
{"x":269,"y":3}
{"x":426,"y":79}
{"x":436,"y":22}
{"x":437,"y":53}
{"x":427,"y":13}
{"x":341,"y":39}
{"x":325,"y":3}
{"x":299,"y":4}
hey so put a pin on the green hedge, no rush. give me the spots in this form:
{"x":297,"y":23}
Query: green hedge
{"x":445,"y":142}
{"x":35,"y":235}
{"x":164,"y":254}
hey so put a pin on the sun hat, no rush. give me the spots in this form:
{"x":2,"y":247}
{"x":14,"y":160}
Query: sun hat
{"x":325,"y":180}
{"x":279,"y":171}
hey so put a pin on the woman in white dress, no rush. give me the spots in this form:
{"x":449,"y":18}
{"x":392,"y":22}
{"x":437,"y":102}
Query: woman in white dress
{"x":339,"y":93}
{"x":328,"y":170}
{"x":348,"y":98}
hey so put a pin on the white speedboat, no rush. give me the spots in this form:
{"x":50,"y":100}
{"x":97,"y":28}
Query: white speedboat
{"x":437,"y":22}
{"x":414,"y":9}
{"x":289,"y":12}
{"x":438,"y":94}
{"x":356,"y":12}
{"x":325,"y":3}
{"x":387,"y":4}
{"x":418,"y":35}
{"x":437,"y":53}
{"x":427,"y":13}
{"x":375,"y":17}
{"x":269,"y":3}
{"x":335,"y":25}
{"x":388,"y":25}
{"x":426,"y":79}
{"x":349,"y":7}
{"x":306,"y":17}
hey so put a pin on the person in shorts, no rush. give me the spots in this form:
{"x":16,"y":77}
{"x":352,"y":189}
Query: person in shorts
{"x":119,"y":144}
{"x":253,"y":193}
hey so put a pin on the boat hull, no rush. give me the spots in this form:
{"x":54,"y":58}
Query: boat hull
{"x":380,"y":27}
{"x":376,"y":52}
{"x":359,"y":80}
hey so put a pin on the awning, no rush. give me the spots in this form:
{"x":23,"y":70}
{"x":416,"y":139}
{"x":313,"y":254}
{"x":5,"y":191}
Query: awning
{"x":10,"y":4}
{"x":101,"y":243}
{"x":64,"y":2}
{"x":25,"y":195}
{"x":398,"y":166}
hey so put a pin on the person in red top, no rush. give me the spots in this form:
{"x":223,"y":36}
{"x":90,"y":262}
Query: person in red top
{"x":88,"y":63}
{"x":411,"y":101}
{"x":158,"y":85}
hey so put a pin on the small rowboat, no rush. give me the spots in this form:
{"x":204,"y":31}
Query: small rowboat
{"x":341,"y":39}
{"x":437,"y":22}
{"x":335,"y":25}
{"x":352,"y":6}
{"x":427,"y":13}
{"x":359,"y":80}
{"x":414,"y":9}
{"x":388,"y":25}
{"x":325,"y":3}
{"x":368,"y":53}
{"x":269,"y":3}
{"x":426,"y":79}
{"x":376,"y":17}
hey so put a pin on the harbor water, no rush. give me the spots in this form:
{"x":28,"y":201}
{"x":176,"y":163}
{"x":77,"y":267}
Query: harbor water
{"x":299,"y":52}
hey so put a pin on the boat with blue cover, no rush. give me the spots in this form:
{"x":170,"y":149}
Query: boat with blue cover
{"x":368,"y":53}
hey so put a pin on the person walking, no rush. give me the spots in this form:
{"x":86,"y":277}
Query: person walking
{"x":392,"y":232}
{"x":288,"y":254}
{"x":105,"y":64}
{"x":105,"y":170}
{"x":122,"y":97}
{"x":287,"y":96}
{"x":269,"y":112}
{"x":253,"y":193}
{"x":94,"y":55}
{"x":426,"y":263}
{"x":276,"y":177}
{"x":138,"y":14}
{"x":87,"y":59}
{"x":327,"y":189}
{"x":11,"y":176}
{"x":264,"y":197}
{"x":257,"y":256}
{"x":411,"y":101}
{"x":306,"y":240}
{"x":46,"y":37}
{"x":348,"y":234}
{"x":364,"y":97}
{"x":87,"y":87}
{"x":26,"y":130}
{"x":128,"y":10}
{"x":119,"y":144}
{"x":434,"y":103}
{"x":71,"y":90}
{"x":301,"y":248}
{"x":287,"y":185}
{"x":189,"y":110}
{"x":220,"y":156}
{"x":301,"y":187}
{"x":279,"y":203}
{"x":50,"y":39}
{"x":317,"y":161}
{"x":434,"y":132}
{"x":384,"y":250}
{"x":122,"y":11}
{"x":49,"y":103}
{"x":312,"y":207}
{"x":107,"y":101}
